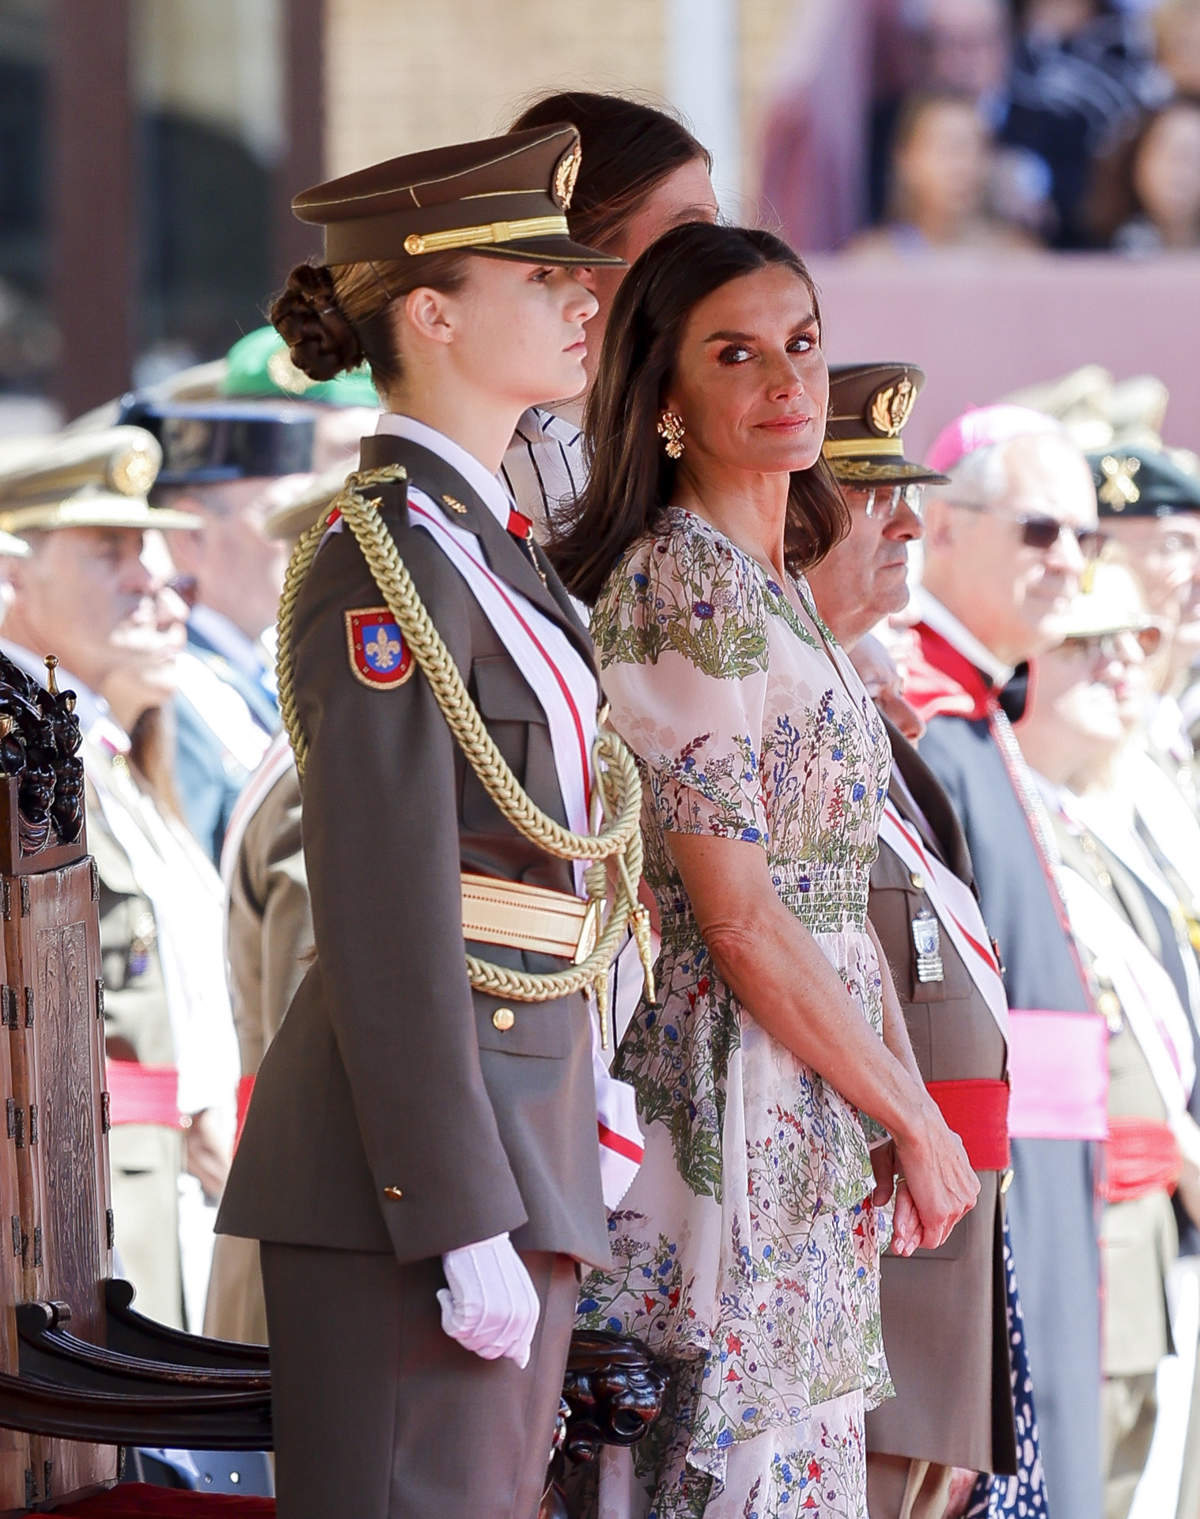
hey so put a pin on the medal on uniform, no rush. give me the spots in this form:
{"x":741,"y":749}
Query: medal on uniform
{"x":927,"y":940}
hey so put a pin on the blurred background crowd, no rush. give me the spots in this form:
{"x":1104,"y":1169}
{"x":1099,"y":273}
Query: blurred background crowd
{"x":146,"y":152}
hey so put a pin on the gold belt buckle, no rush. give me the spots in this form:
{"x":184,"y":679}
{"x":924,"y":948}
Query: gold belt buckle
{"x":589,"y":933}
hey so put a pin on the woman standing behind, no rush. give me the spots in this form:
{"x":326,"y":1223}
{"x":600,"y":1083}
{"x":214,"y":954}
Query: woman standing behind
{"x":746,"y":1252}
{"x":642,"y":174}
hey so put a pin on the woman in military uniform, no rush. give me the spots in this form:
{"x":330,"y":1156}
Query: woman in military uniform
{"x":420,"y":1156}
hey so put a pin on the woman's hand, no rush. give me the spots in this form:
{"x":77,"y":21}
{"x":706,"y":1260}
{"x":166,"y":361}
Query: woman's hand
{"x":940,"y":1181}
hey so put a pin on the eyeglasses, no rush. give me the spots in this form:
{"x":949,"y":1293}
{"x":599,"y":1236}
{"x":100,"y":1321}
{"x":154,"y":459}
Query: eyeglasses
{"x":883,"y":501}
{"x":1110,"y":646}
{"x":1041,"y":532}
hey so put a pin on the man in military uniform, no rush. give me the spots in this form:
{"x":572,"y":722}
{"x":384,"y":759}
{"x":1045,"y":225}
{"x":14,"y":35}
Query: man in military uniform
{"x":1005,"y":545}
{"x":944,"y":1311}
{"x":268,"y":943}
{"x":85,"y":595}
{"x":225,"y":462}
{"x":1083,"y":712}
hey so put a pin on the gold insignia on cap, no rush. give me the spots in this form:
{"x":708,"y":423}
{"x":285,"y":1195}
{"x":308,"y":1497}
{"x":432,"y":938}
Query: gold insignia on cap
{"x":132,"y":471}
{"x":891,"y":406}
{"x":282,"y":372}
{"x":1118,"y":490}
{"x":566,"y":172}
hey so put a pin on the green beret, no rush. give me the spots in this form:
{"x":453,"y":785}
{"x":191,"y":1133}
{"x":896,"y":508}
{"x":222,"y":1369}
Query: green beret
{"x":259,"y":365}
{"x":1138,"y":481}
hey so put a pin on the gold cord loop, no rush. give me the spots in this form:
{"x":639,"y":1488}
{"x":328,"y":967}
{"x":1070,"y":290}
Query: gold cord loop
{"x":619,"y":786}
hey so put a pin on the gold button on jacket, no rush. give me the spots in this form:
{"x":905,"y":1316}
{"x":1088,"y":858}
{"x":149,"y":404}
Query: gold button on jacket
{"x":503,"y":1019}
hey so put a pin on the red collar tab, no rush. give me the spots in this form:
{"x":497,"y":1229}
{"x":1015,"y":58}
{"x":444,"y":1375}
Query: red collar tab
{"x":519,"y":525}
{"x":943,"y":682}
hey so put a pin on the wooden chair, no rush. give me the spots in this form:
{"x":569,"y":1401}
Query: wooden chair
{"x":82,"y":1373}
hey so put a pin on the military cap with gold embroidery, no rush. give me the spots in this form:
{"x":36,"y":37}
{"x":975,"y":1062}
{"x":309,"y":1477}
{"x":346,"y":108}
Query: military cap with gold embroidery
{"x":869,"y":406}
{"x":506,"y":197}
{"x":1142,"y":482}
{"x":207,"y":442}
{"x":87,"y":479}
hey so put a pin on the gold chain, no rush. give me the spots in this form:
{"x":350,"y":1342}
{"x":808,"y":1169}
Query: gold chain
{"x":619,"y":785}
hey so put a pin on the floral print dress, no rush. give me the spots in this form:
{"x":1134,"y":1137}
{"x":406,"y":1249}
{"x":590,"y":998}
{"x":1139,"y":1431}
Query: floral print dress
{"x":747,"y":1251}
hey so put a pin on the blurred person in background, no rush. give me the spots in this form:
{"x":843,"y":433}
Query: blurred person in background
{"x":1006,"y":544}
{"x":221,"y":462}
{"x":1082,"y":72}
{"x":1150,"y":507}
{"x":942,"y":160}
{"x":1176,"y":26}
{"x":268,"y":940}
{"x":1086,"y":709}
{"x":642,"y":174}
{"x":87,"y":594}
{"x":1147,"y":191}
{"x":945,"y":1323}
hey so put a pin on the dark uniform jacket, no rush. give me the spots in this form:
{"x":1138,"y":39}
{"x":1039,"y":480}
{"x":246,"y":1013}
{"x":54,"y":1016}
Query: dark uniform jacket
{"x":945,"y":1323}
{"x":391,"y":1113}
{"x":1052,"y":1207}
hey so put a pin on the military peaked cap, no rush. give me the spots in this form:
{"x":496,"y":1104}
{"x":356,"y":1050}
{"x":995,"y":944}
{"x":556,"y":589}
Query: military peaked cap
{"x":259,"y":365}
{"x":206,"y":442}
{"x":1142,"y":482}
{"x":869,"y":406}
{"x":506,"y":197}
{"x":86,"y":479}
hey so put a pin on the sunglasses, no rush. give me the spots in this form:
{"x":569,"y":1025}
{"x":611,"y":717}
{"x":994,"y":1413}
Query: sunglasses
{"x":1042,"y":532}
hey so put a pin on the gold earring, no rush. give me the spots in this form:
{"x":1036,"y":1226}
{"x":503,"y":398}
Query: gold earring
{"x":671,"y":430}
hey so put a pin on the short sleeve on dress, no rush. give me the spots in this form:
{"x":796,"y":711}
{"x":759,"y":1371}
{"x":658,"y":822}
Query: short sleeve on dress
{"x":681,"y":631}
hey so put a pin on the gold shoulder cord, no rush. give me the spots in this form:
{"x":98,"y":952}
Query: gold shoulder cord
{"x":619,"y":840}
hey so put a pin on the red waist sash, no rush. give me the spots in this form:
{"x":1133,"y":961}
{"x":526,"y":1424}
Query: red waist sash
{"x":142,"y":1093}
{"x":245,"y":1090}
{"x":1143,"y":1157}
{"x":977,"y":1111}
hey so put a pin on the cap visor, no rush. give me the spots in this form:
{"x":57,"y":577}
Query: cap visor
{"x":546,"y":250}
{"x":884,"y":472}
{"x":107,"y":511}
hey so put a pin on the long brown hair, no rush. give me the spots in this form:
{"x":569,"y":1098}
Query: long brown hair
{"x":628,"y":149}
{"x":631,"y":478}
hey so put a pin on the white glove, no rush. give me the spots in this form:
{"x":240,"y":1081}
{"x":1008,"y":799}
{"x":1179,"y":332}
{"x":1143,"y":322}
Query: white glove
{"x":490,"y":1305}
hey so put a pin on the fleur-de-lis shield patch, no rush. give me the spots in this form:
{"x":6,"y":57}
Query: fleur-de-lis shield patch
{"x":379,"y":657}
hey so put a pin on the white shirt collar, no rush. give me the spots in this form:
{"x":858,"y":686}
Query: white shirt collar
{"x":485,"y":485}
{"x":930,"y":610}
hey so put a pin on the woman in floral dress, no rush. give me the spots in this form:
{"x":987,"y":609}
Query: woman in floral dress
{"x":746,"y":1252}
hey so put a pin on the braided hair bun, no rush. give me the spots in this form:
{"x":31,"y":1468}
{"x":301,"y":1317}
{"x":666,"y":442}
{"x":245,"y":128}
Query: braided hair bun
{"x":307,"y":316}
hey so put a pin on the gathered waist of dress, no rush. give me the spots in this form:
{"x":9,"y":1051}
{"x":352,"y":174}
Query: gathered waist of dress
{"x":826,"y":898}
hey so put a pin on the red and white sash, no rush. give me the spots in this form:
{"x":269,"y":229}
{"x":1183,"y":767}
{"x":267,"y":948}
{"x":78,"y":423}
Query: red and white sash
{"x":957,"y":910}
{"x":565,"y":686}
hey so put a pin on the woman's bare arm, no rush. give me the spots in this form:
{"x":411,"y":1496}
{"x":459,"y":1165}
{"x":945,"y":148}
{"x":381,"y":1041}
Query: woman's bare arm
{"x":778,"y":972}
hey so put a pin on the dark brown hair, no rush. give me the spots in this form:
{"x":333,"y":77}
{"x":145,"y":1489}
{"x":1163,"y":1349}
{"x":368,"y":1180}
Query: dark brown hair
{"x":631,"y":478}
{"x":332,"y":317}
{"x":628,"y":149}
{"x":1113,"y":199}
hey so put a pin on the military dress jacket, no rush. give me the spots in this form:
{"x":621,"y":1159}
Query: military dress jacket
{"x":1052,"y":1209}
{"x":945,"y":1325}
{"x":1140,"y":1238}
{"x":394,"y":1110}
